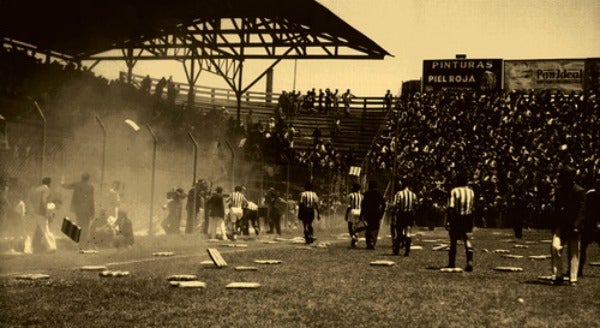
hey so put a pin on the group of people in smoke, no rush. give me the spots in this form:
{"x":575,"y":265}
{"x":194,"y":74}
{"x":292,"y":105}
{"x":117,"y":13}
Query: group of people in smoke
{"x":31,"y":211}
{"x":230,"y":214}
{"x":513,"y":141}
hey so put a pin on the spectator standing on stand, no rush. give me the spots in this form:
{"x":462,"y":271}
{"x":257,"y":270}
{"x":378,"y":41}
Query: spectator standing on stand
{"x":146,"y":84}
{"x":388,"y":98}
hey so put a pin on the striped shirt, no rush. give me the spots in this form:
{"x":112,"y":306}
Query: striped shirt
{"x":309,"y":199}
{"x":354,"y":200}
{"x":237,"y":199}
{"x":405,"y":200}
{"x":462,"y":200}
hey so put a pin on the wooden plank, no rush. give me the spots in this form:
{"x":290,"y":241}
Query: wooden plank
{"x":216,"y":257}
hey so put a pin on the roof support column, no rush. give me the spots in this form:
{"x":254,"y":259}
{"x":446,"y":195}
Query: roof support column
{"x":130,"y":61}
{"x":238,"y":92}
{"x":192,"y":73}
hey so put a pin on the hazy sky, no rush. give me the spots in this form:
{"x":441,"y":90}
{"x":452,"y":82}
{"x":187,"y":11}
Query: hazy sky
{"x":414,"y":30}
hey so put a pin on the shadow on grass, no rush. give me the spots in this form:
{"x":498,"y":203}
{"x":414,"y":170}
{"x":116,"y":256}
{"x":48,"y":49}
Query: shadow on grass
{"x":538,"y":282}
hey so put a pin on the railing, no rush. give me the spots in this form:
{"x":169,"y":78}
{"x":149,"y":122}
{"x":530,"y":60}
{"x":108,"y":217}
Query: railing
{"x":256,"y":98}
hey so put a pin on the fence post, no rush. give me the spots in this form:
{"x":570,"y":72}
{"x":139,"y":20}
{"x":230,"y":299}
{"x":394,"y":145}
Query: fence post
{"x":44,"y":132}
{"x":154,"y":140}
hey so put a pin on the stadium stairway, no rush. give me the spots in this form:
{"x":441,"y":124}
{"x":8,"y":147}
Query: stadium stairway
{"x":357,"y":131}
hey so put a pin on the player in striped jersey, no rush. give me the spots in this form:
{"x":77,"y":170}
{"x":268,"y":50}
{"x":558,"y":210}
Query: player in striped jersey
{"x":353,"y":212}
{"x":309,"y":203}
{"x":461,"y":210}
{"x":236,"y":203}
{"x":405,"y":204}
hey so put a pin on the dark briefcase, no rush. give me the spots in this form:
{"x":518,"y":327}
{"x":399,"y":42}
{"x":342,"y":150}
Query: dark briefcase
{"x":70,"y":229}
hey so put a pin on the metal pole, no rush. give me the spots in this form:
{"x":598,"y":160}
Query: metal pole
{"x":195,"y":167}
{"x":232,"y":164}
{"x":287,"y":192}
{"x":43,"y":162}
{"x":295,"y":67}
{"x":104,"y":134}
{"x":154,"y":141}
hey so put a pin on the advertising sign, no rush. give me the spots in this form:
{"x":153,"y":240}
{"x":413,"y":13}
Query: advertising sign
{"x":559,"y":74}
{"x":479,"y":74}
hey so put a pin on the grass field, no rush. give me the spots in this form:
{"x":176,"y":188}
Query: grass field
{"x":319,"y":287}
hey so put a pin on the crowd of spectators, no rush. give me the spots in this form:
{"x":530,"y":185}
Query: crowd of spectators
{"x":323,"y":101}
{"x":511,"y":143}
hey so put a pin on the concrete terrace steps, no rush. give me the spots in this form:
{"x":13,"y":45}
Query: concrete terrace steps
{"x":357,"y":131}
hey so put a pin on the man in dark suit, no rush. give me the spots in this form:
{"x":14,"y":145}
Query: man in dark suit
{"x":591,"y":225}
{"x":82,"y":204}
{"x":372,"y":209}
{"x":567,"y":225}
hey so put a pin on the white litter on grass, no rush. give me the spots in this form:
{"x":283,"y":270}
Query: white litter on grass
{"x":114,"y":273}
{"x":540,"y":257}
{"x":322,"y":244}
{"x":281,"y":239}
{"x":512,"y":256}
{"x":441,"y":247}
{"x":530,"y":242}
{"x":188,"y":284}
{"x":520,"y":246}
{"x":33,"y":276}
{"x":501,"y":251}
{"x":382,"y":263}
{"x":416,"y":247}
{"x":451,"y":270}
{"x":243,"y":285}
{"x":485,"y":250}
{"x":434,"y":241}
{"x":207,"y":262}
{"x":165,"y":254}
{"x":546,"y":241}
{"x":12,"y":252}
{"x":267,"y":261}
{"x":88,"y":251}
{"x":245,"y":268}
{"x":298,"y":241}
{"x":269,"y":242}
{"x":549,"y":278}
{"x":236,"y":245}
{"x":93,"y":268}
{"x":508,"y":269}
{"x":182,"y":277}
{"x":596,"y":264}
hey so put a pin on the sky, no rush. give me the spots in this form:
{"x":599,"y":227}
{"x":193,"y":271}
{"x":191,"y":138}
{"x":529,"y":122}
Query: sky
{"x":415,"y":30}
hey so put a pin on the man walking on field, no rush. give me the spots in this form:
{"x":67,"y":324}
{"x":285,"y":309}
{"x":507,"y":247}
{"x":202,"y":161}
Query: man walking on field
{"x":567,"y":225}
{"x":309,"y":203}
{"x":461,"y":210}
{"x":405,"y":203}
